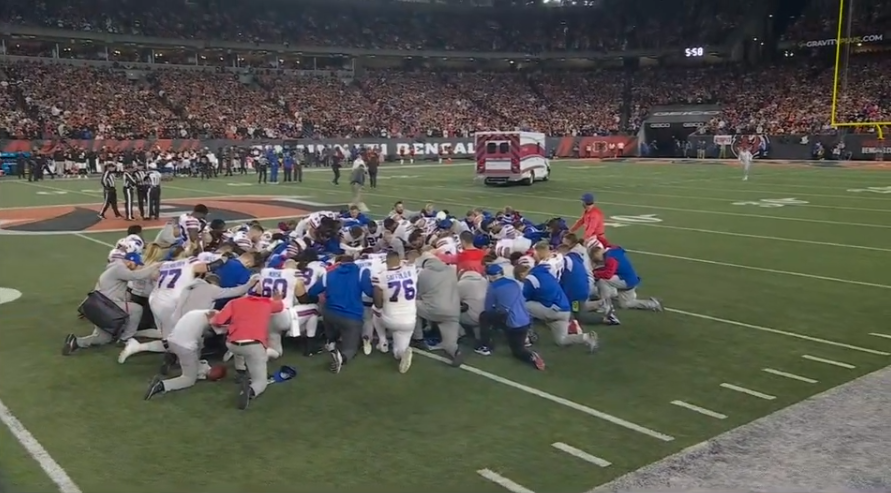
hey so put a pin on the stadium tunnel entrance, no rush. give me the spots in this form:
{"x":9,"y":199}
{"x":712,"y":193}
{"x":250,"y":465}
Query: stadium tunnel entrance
{"x":666,"y":125}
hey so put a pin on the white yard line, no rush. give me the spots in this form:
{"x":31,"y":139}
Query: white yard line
{"x":777,"y":331}
{"x":828,"y":362}
{"x":770,"y":238}
{"x":503,"y":481}
{"x":876,"y":334}
{"x":581,"y":454}
{"x":849,"y":196}
{"x":788,"y":375}
{"x":700,"y":410}
{"x":753,"y":393}
{"x":53,"y":470}
{"x":764,"y":269}
{"x":553,"y":398}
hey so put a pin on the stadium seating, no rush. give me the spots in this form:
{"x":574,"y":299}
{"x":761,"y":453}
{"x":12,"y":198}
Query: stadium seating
{"x":76,"y":100}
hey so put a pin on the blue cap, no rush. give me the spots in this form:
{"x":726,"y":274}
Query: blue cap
{"x":494,"y":270}
{"x":133,"y":257}
{"x":444,"y":224}
{"x":588,"y":198}
{"x":283,"y":374}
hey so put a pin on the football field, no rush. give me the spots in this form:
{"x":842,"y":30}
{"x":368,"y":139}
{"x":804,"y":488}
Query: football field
{"x":774,"y":291}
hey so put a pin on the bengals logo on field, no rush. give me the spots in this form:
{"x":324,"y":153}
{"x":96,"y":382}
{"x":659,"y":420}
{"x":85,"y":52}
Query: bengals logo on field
{"x":754,"y":142}
{"x":83,"y":218}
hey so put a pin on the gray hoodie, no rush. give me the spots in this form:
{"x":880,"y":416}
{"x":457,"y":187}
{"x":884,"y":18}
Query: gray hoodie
{"x":438,"y":287}
{"x":201,"y":295}
{"x":472,"y":288}
{"x":113,"y":280}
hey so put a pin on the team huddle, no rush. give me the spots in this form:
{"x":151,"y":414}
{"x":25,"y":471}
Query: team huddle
{"x":425,"y":278}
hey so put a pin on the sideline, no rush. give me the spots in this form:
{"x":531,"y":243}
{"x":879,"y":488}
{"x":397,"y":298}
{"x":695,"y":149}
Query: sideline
{"x":53,"y":470}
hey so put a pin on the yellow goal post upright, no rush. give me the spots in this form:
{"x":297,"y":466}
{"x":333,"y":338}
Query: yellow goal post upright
{"x":843,"y":38}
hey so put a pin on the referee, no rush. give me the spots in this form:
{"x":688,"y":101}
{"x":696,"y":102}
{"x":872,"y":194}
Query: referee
{"x":141,"y":191}
{"x":109,"y":192}
{"x":153,"y":179}
{"x":129,"y":192}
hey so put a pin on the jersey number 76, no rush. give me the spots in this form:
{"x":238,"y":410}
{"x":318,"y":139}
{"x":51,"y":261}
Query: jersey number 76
{"x":406,"y":287}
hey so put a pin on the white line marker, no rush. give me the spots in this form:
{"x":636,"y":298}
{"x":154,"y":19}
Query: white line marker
{"x":789,"y":375}
{"x":876,"y":334}
{"x":553,"y":398}
{"x":777,"y":331}
{"x":503,"y":481}
{"x":770,"y":238}
{"x":763,"y":269}
{"x":751,"y":392}
{"x":700,"y":410}
{"x":581,"y":454}
{"x":37,"y":452}
{"x":829,"y":362}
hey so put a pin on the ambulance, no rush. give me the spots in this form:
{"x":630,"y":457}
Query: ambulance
{"x":511,"y":157}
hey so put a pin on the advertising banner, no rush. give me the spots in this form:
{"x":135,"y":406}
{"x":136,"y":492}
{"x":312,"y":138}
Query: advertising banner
{"x":819,"y":43}
{"x":856,"y":147}
{"x":429,"y":148}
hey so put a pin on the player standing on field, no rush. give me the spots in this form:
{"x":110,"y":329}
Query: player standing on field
{"x":745,"y":157}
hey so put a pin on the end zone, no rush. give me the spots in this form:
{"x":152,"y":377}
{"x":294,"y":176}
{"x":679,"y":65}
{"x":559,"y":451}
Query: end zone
{"x":77,"y":219}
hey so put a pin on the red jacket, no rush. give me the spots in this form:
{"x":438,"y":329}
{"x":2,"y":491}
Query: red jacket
{"x":248,"y":318}
{"x":469,"y":259}
{"x":592,"y":221}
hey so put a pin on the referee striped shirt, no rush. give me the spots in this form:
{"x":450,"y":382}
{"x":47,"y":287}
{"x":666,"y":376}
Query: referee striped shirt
{"x":129,"y":180}
{"x":154,"y":179}
{"x":139,"y":175}
{"x":108,"y":179}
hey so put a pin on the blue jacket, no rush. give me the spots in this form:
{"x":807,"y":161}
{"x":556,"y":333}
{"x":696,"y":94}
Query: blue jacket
{"x":289,"y":162}
{"x":575,"y":279}
{"x":343,"y":287}
{"x":505,"y":295}
{"x":360,"y":219}
{"x":616,"y":263}
{"x":233,"y":273}
{"x":541,"y":286}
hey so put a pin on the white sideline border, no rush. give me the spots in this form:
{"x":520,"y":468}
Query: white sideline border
{"x":53,"y":470}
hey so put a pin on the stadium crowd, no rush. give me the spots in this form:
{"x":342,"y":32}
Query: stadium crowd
{"x":398,"y":25}
{"x":77,"y":101}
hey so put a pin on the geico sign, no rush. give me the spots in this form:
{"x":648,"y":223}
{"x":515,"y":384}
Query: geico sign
{"x":693,"y":124}
{"x":688,"y":113}
{"x":660,"y":125}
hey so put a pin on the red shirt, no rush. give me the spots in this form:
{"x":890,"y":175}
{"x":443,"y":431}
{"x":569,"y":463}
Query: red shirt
{"x":469,"y":259}
{"x":248,"y":318}
{"x":592,"y":221}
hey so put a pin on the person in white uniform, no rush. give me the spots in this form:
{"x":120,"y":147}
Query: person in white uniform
{"x":394,"y":300}
{"x":185,"y":342}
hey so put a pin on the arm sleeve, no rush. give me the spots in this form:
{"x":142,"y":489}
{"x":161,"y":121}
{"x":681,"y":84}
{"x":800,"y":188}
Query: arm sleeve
{"x":224,"y":316}
{"x":223,"y":293}
{"x":126,"y":274}
{"x":319,"y":286}
{"x":366,"y":284}
{"x":276,"y":306}
{"x":577,"y":224}
{"x":490,"y":298}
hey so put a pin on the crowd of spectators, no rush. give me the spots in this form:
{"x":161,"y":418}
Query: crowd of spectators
{"x":819,"y":21}
{"x":104,"y":101}
{"x":90,"y":102}
{"x":614,"y":25}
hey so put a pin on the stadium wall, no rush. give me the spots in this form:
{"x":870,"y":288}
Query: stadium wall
{"x":783,"y":147}
{"x":427,"y":148}
{"x":857,"y":147}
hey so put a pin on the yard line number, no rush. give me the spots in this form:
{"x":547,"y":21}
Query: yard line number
{"x":871,"y":190}
{"x":622,"y":221}
{"x":773,"y":202}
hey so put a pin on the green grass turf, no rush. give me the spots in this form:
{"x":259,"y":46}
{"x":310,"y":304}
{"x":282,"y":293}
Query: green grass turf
{"x":371,"y":429}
